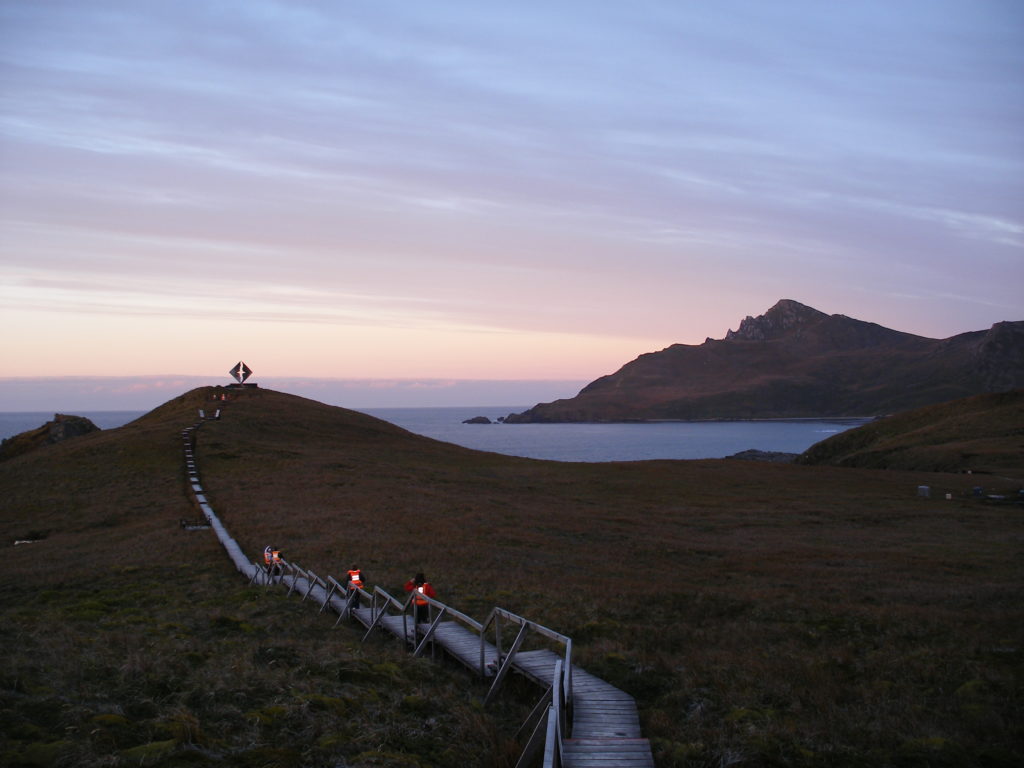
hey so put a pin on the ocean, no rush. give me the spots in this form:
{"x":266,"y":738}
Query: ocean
{"x":558,"y":442}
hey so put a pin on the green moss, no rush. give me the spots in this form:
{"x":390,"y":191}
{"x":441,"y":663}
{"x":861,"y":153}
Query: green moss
{"x":389,"y":670}
{"x":931,"y":752}
{"x":25,"y":732}
{"x":388,"y":760}
{"x":749,"y":715}
{"x":267,"y":716}
{"x":675,"y":753}
{"x":149,"y":754}
{"x":318,"y":701}
{"x":267,"y":757}
{"x":110,"y":720}
{"x":972,"y":689}
{"x":184,"y":727}
{"x":415,"y":704}
{"x":229,"y":624}
{"x":39,"y":755}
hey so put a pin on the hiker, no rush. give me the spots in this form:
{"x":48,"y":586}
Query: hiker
{"x":276,"y":560}
{"x":422,"y":587}
{"x":354,"y":582}
{"x":268,"y":556}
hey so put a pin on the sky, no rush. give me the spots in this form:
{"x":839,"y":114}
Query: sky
{"x":396,"y":192}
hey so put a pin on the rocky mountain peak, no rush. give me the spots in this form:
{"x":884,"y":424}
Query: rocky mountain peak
{"x":785,"y":315}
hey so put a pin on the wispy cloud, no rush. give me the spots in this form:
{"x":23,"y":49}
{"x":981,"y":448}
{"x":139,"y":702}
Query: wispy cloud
{"x":655,"y":170}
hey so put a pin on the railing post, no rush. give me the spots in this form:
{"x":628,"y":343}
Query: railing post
{"x":506,"y":665}
{"x":257,"y":571}
{"x":497,"y":635}
{"x":294,"y":569}
{"x":483,"y":642}
{"x":330,"y":593}
{"x":551,"y":747}
{"x":429,"y":633}
{"x":310,"y":583}
{"x":558,"y":697}
{"x":567,"y":682}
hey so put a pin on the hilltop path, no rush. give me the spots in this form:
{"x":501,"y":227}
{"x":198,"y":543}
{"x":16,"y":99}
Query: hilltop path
{"x":587,"y":722}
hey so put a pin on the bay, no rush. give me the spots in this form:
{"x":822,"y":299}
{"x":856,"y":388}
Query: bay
{"x":613,"y":442}
{"x":557,"y":442}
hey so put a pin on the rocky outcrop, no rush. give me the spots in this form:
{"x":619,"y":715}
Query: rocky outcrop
{"x":785,"y":315}
{"x":795,"y":362}
{"x":478,"y":420}
{"x":752,"y":454}
{"x":63,"y":427}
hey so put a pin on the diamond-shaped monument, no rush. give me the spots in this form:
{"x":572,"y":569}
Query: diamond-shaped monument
{"x":240,"y":372}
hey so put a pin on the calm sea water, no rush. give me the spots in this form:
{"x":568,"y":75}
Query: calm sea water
{"x":559,"y":442}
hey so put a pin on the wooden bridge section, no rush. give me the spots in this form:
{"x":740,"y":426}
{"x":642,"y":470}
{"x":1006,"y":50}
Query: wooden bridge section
{"x":581,"y":721}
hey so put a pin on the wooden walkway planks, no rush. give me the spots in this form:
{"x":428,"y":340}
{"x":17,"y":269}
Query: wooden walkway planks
{"x":396,"y":625}
{"x":464,"y":646}
{"x":606,"y":753}
{"x":605,"y":721}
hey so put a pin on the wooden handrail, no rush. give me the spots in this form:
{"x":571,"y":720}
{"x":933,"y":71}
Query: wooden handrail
{"x":452,"y":612}
{"x":552,"y":746}
{"x":500,"y":613}
{"x":379,"y":611}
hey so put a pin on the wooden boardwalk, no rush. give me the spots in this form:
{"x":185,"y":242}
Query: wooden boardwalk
{"x":605,"y":724}
{"x":603,"y":730}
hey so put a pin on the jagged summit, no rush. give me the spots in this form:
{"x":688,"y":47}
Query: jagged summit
{"x":785,"y":315}
{"x":794,"y":361}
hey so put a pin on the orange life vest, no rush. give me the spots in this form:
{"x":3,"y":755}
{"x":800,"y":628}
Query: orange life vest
{"x":276,"y":556}
{"x":356,"y":577}
{"x":424,"y":589}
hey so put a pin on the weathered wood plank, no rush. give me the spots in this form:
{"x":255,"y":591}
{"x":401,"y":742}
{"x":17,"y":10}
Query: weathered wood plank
{"x":573,"y":760}
{"x":623,"y":744}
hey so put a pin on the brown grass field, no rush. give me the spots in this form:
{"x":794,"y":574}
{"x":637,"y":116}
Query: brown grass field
{"x":761,"y":614}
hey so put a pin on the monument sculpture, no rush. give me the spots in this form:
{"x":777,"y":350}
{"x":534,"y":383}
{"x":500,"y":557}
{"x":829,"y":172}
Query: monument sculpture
{"x":240,"y":373}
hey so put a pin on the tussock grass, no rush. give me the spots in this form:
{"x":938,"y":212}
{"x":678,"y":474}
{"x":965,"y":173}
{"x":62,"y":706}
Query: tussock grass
{"x":761,"y":614}
{"x":182,"y":665}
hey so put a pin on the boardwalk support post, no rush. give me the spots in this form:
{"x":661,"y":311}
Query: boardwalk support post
{"x":506,"y":664}
{"x":330,"y":592}
{"x":430,"y":632}
{"x":551,"y":747}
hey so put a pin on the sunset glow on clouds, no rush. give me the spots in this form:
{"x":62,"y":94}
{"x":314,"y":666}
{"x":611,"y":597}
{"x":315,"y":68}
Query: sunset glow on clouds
{"x":484,"y":191}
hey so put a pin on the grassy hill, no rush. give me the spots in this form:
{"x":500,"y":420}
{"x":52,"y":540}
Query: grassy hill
{"x":761,"y":614}
{"x":983,"y":434}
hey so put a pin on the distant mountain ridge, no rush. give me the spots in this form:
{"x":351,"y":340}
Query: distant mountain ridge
{"x":797,"y":362}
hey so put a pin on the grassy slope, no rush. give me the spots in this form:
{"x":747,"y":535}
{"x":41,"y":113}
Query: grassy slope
{"x":761,"y":614}
{"x":983,"y":434}
{"x":128,"y":641}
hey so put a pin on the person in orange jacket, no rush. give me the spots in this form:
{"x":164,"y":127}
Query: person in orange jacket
{"x":355,"y":578}
{"x":354,"y":582}
{"x":422,"y":587}
{"x":276,"y":559}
